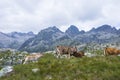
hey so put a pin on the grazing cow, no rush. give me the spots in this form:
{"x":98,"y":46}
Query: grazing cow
{"x":79,"y":54}
{"x":32,"y":57}
{"x":61,"y":50}
{"x":111,"y":51}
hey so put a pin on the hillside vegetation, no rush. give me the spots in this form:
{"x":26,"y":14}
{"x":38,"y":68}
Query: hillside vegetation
{"x":51,"y":68}
{"x":9,"y":58}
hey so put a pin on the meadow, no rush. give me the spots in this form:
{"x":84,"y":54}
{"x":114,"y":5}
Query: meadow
{"x":85,"y":68}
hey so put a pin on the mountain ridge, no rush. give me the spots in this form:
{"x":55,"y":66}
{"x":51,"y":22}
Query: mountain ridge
{"x":14,"y":39}
{"x":50,"y":37}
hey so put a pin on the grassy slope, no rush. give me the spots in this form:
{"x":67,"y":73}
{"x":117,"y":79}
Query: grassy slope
{"x":96,"y":68}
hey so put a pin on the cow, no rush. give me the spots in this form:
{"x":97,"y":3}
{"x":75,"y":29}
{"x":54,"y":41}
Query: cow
{"x":111,"y":51}
{"x":61,"y":50}
{"x":32,"y":57}
{"x":79,"y":54}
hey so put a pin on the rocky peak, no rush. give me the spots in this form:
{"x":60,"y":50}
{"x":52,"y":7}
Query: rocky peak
{"x":51,"y":29}
{"x":104,"y":28}
{"x":82,"y":32}
{"x":30,"y":33}
{"x":72,"y":31}
{"x":49,"y":33}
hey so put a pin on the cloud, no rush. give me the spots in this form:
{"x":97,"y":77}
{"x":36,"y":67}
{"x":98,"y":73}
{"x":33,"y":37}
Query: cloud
{"x":34,"y":15}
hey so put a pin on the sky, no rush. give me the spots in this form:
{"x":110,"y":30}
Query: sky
{"x":36,"y":15}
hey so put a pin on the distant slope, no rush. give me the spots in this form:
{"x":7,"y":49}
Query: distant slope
{"x":14,"y":40}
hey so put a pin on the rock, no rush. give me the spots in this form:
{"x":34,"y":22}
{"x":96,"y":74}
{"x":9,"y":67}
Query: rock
{"x":90,"y":55}
{"x":35,"y":70}
{"x":48,"y":77}
{"x":5,"y":70}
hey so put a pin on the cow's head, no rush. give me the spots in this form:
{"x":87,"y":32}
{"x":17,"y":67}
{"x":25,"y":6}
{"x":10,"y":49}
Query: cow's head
{"x":74,"y":50}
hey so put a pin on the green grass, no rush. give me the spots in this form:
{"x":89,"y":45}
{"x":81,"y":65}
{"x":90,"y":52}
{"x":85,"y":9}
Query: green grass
{"x":86,"y":68}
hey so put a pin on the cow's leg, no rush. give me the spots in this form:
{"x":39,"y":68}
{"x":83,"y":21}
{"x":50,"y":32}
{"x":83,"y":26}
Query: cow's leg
{"x":69,"y":55}
{"x":58,"y":53}
{"x":55,"y":54}
{"x":36,"y":59}
{"x":25,"y":61}
{"x":105,"y":53}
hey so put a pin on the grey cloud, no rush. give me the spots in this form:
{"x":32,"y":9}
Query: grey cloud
{"x":34,"y":15}
{"x":28,"y":5}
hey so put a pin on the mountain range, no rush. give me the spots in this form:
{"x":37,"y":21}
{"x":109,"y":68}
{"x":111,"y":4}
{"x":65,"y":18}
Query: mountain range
{"x":14,"y":39}
{"x":50,"y":37}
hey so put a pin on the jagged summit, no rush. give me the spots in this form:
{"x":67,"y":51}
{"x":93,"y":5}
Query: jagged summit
{"x":72,"y":31}
{"x":104,"y":28}
{"x":50,"y":29}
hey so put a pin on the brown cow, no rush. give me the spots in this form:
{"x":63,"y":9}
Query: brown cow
{"x":79,"y":54}
{"x":61,"y":50}
{"x":111,"y":51}
{"x":32,"y":57}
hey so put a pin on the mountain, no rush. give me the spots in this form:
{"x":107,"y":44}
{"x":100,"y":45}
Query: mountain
{"x":48,"y":38}
{"x":19,"y":34}
{"x":72,"y":31}
{"x":4,"y":38}
{"x":104,"y":28}
{"x":101,"y":34}
{"x":14,"y":39}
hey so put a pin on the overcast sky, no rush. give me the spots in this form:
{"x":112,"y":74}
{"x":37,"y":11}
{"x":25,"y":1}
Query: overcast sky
{"x":35,"y":15}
